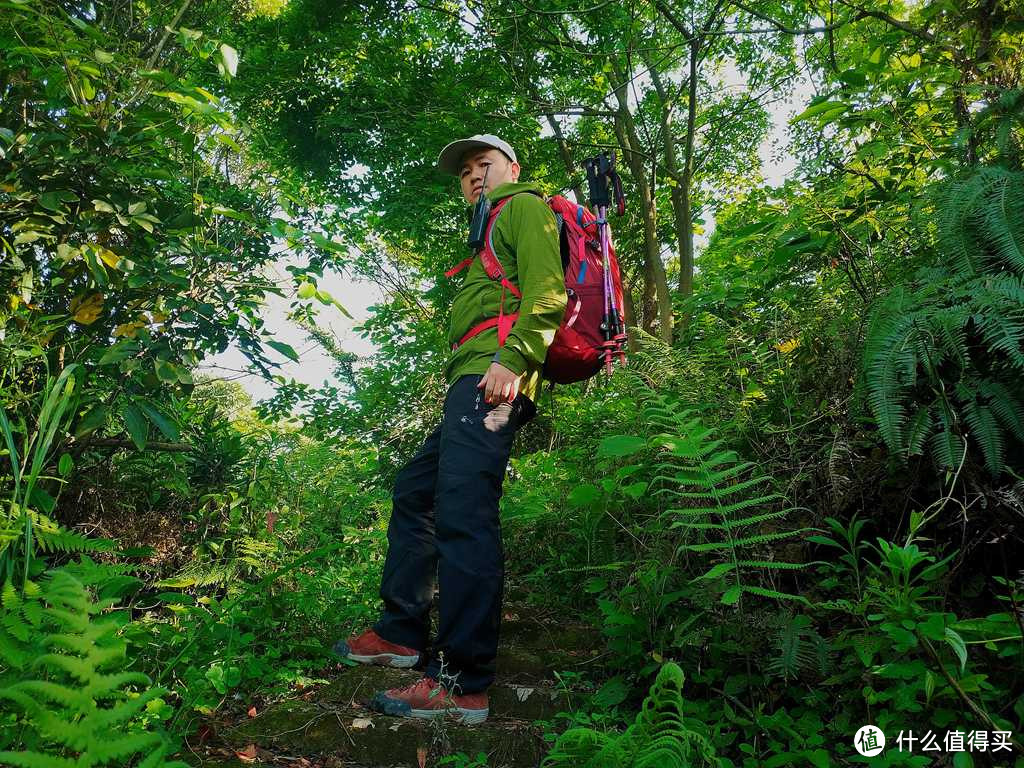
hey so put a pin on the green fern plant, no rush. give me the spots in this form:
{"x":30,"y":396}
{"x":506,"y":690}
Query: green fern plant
{"x":798,"y":649}
{"x":944,"y":355}
{"x":662,"y":736}
{"x":64,"y":668}
{"x":723,"y":512}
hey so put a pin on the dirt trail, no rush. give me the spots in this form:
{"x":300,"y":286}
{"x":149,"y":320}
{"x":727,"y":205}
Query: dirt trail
{"x":328,"y":725}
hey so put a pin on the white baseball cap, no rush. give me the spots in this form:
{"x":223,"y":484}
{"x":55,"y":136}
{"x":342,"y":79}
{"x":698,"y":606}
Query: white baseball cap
{"x":450,"y":159}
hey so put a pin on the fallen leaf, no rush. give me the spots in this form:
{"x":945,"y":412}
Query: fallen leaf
{"x":394,"y":727}
{"x":252,"y":712}
{"x":247,"y":755}
{"x":362,"y":723}
{"x":421,"y":756}
{"x":522,"y":693}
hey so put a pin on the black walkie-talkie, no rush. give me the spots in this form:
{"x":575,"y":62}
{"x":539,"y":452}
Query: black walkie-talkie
{"x":481,"y":213}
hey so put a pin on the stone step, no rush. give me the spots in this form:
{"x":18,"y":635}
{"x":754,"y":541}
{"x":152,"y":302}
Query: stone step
{"x":522,"y":631}
{"x":354,"y":687}
{"x":369,"y":740}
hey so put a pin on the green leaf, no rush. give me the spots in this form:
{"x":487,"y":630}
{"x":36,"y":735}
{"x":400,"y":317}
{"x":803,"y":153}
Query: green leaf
{"x":65,"y":465}
{"x":231,"y":213}
{"x":327,"y":244}
{"x":853,"y":77}
{"x":42,"y":500}
{"x":584,"y":495}
{"x":229,"y":56}
{"x":621,"y":445}
{"x":959,"y":647}
{"x":136,"y":425}
{"x":611,"y":694}
{"x":818,"y":109}
{"x":719,"y":570}
{"x":284,"y":349}
{"x":732,"y":595}
{"x":167,"y":427}
{"x":119,"y":352}
{"x":166,"y":371}
{"x":102,"y":56}
{"x":635,"y":490}
{"x":51,"y":201}
{"x":96,"y":417}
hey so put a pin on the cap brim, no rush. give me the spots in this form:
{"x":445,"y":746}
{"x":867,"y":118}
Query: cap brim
{"x":450,"y":159}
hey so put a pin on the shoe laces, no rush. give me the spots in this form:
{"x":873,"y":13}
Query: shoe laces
{"x":367,"y":635}
{"x":414,"y":688}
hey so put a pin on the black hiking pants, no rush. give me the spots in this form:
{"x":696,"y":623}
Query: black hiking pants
{"x":444,"y":521}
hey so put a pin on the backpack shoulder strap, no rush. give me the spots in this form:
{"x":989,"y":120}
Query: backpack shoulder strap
{"x":492,"y":266}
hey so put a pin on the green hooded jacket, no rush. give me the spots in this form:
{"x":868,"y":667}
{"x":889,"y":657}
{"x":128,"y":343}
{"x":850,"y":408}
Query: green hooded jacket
{"x":525,"y":240}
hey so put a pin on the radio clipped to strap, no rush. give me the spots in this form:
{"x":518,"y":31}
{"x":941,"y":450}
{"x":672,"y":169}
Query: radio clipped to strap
{"x":496,"y":272}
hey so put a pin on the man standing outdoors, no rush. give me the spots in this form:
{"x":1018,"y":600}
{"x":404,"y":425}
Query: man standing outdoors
{"x":444,"y":516}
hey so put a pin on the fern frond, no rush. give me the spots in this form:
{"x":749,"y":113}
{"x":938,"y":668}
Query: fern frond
{"x":930,"y":329}
{"x":1007,"y":408}
{"x":773,"y":594}
{"x":77,"y":707}
{"x":735,"y":488}
{"x":732,"y":524}
{"x":727,"y":510}
{"x":773,"y":565}
{"x":985,"y":429}
{"x":36,"y":760}
{"x":723,"y":493}
{"x":920,"y":427}
{"x":1002,"y":220}
{"x":660,"y":737}
{"x":761,"y":538}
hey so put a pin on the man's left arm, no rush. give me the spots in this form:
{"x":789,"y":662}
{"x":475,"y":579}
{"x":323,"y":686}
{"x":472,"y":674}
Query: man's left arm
{"x":534,"y":235}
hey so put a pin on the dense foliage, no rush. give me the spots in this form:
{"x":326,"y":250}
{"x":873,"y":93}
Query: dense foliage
{"x":797,"y":512}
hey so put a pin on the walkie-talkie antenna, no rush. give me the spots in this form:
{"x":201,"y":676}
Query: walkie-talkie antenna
{"x":481,"y":213}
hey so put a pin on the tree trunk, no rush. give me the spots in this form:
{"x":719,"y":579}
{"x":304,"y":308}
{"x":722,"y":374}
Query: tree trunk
{"x":657,"y":301}
{"x":680,"y":192}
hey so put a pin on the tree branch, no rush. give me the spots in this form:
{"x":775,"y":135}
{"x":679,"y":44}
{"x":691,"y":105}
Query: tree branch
{"x":125,"y":444}
{"x":151,"y":61}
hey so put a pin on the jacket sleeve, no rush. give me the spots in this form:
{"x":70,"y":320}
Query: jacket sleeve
{"x":534,"y":236}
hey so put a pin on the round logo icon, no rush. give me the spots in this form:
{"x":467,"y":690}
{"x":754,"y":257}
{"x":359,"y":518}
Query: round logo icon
{"x":869,"y":740}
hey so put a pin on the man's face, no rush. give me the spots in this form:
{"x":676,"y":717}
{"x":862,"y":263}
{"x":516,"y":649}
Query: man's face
{"x":499,"y":170}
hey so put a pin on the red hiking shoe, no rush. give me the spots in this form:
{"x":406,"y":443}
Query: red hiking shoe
{"x":427,"y":698}
{"x":371,"y":648}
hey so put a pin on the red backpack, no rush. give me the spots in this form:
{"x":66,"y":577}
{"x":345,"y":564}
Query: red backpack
{"x":579,"y":348}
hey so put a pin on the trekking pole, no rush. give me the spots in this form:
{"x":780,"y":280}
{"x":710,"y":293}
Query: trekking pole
{"x":600,"y":170}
